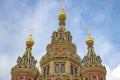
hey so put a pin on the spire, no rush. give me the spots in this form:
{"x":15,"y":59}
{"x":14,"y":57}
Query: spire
{"x":62,"y":7}
{"x":90,"y":58}
{"x":26,"y":63}
{"x":29,"y":44}
{"x":92,"y":63}
{"x":89,"y":31}
{"x":62,"y":17}
{"x":90,"y":43}
{"x":62,"y":36}
{"x":27,"y":58}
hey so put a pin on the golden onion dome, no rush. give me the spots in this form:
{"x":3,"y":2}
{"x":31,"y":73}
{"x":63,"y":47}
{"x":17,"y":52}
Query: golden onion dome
{"x":30,"y":41}
{"x":62,"y":16}
{"x":90,"y":40}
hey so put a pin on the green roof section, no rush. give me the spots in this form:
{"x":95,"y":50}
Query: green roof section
{"x":91,"y":52}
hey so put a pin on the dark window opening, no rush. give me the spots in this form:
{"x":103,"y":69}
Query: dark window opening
{"x":44,"y":74}
{"x":94,"y":78}
{"x":71,"y":70}
{"x":48,"y":70}
{"x":57,"y":68}
{"x":62,"y":68}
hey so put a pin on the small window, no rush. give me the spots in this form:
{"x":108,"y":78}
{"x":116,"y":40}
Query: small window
{"x":21,"y":78}
{"x":75,"y":70}
{"x":71,"y":70}
{"x":62,"y":68}
{"x":44,"y":72}
{"x":57,"y":68}
{"x":94,"y":78}
{"x":86,"y":78}
{"x":48,"y":70}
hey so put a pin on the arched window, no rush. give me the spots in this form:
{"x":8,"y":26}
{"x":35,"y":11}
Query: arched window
{"x":29,"y":79}
{"x":94,"y":78}
{"x":75,"y":70}
{"x":71,"y":70}
{"x":62,"y":68}
{"x":86,"y":78}
{"x":44,"y":72}
{"x":21,"y":78}
{"x":57,"y":68}
{"x":48,"y":70}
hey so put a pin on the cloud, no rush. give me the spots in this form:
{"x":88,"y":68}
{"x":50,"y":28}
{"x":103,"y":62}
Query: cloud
{"x":13,"y":34}
{"x":5,"y":66}
{"x":113,"y":74}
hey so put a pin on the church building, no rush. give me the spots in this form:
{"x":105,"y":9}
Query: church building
{"x":61,"y":61}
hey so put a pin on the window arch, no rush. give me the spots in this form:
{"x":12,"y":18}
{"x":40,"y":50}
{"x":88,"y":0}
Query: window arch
{"x":101,"y":78}
{"x":94,"y":78}
{"x":48,"y":70}
{"x":44,"y":72}
{"x":62,"y":68}
{"x":21,"y":78}
{"x":86,"y":78}
{"x":71,"y":70}
{"x":75,"y":70}
{"x":29,"y":79}
{"x":57,"y":68}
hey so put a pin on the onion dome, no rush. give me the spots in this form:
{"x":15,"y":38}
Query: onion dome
{"x":89,"y":41}
{"x":62,"y":16}
{"x":29,"y":42}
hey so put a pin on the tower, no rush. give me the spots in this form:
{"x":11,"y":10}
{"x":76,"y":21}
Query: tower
{"x":61,"y":61}
{"x":92,"y":68}
{"x":25,"y":69}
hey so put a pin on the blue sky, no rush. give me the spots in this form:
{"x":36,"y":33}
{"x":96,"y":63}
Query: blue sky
{"x":18,"y":16}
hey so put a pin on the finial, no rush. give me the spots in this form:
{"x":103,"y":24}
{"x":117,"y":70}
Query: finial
{"x":89,"y":31}
{"x":62,"y":6}
{"x":62,"y":16}
{"x":30,"y":41}
{"x":31,"y":30}
{"x":89,"y":40}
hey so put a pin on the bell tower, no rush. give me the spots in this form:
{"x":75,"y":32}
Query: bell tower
{"x":25,"y":69}
{"x":92,"y":68}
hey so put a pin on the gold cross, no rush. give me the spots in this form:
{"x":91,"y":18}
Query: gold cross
{"x":31,"y":30}
{"x":89,"y":31}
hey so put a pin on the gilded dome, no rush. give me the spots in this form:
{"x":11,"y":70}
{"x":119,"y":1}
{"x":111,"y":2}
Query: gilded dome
{"x":62,"y":16}
{"x":89,"y":41}
{"x":30,"y":42}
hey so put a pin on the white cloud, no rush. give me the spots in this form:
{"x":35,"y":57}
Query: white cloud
{"x":13,"y":35}
{"x":5,"y":66}
{"x":113,"y":74}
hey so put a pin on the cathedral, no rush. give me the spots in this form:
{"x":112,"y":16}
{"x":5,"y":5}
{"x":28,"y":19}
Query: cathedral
{"x":61,"y":61}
